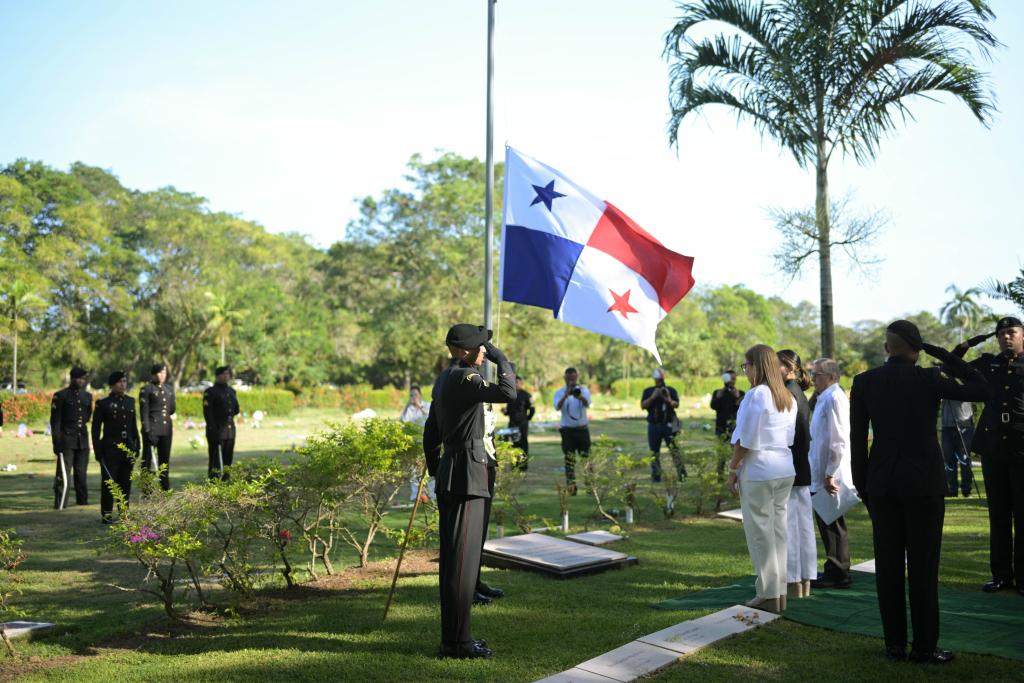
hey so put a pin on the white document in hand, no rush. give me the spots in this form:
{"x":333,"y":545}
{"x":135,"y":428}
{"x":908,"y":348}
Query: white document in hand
{"x":829,"y":507}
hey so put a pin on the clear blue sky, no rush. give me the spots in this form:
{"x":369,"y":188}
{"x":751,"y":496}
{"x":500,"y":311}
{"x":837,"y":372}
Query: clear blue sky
{"x":286,"y":112}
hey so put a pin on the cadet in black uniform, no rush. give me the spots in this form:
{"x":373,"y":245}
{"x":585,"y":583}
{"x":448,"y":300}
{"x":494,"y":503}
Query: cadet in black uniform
{"x":156,"y":406}
{"x":903,"y":480}
{"x":220,"y":405}
{"x":114,"y":429}
{"x":70,"y":411}
{"x":456,"y":422}
{"x":520,"y":411}
{"x":999,"y":440}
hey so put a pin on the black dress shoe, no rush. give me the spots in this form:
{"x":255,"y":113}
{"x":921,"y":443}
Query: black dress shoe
{"x":480,"y":599}
{"x":896,"y":653}
{"x":489,"y":591}
{"x":936,"y":657}
{"x":996,"y":585}
{"x":828,"y":582}
{"x":472,"y":650}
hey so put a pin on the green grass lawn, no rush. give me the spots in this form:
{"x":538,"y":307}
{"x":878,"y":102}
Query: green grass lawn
{"x":542,"y":627}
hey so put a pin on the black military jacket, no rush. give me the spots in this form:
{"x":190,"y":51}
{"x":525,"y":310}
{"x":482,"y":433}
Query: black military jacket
{"x":456,"y":423}
{"x":70,"y":412}
{"x":115,"y":423}
{"x":521,"y":409}
{"x":802,"y":437}
{"x":900,"y":401}
{"x":220,"y":405}
{"x":156,"y":405}
{"x":1002,"y":420}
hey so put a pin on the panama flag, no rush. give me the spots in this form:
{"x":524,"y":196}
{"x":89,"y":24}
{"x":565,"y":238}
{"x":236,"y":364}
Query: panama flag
{"x":564,"y":249}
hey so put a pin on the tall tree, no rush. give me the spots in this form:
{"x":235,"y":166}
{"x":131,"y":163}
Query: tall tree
{"x":18,"y":299}
{"x":224,"y":316}
{"x":962,"y":311}
{"x":820,"y":77}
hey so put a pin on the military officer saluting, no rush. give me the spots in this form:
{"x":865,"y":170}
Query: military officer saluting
{"x":156,"y":406}
{"x":999,"y":441}
{"x":220,"y":405}
{"x":70,"y":411}
{"x":115,"y":438}
{"x":453,"y":441}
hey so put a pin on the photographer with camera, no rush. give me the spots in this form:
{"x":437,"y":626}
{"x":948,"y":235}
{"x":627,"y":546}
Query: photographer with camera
{"x":726,"y":403}
{"x":573,"y":400}
{"x":660,"y":402}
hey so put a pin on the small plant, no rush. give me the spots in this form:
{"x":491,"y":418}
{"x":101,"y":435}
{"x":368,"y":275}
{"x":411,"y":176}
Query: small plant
{"x":11,"y":556}
{"x":600,"y":478}
{"x":563,"y":492}
{"x":509,"y":481}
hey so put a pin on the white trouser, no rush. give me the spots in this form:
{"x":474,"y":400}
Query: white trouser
{"x":764,"y":523}
{"x":414,"y":481}
{"x":801,"y":544}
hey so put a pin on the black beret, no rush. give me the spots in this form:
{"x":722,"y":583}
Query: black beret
{"x":1007,"y":322}
{"x":222,"y":369}
{"x":157,"y":367}
{"x":78,"y":372}
{"x":908,"y":332}
{"x":115,"y":377}
{"x":466,"y":336}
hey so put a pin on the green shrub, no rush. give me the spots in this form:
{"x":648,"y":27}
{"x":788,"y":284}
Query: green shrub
{"x":10,"y":557}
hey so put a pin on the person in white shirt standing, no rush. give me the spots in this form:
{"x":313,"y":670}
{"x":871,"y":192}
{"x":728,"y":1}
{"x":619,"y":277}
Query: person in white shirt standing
{"x":830,"y":465}
{"x":416,"y":411}
{"x":761,"y":471}
{"x":572,"y":401}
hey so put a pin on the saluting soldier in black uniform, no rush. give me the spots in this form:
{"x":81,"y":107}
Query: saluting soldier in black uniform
{"x":220,"y":405}
{"x":156,"y":406}
{"x":520,"y":411}
{"x":70,"y":411}
{"x":456,"y":423}
{"x":999,"y":440}
{"x":902,"y":480}
{"x":114,"y":429}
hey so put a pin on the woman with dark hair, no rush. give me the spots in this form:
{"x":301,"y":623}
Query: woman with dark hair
{"x":761,"y":471}
{"x":802,"y":561}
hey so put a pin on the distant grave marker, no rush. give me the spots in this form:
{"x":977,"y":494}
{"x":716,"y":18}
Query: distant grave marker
{"x":736,"y":514}
{"x":595,"y":537}
{"x":15,"y":629}
{"x":554,"y":556}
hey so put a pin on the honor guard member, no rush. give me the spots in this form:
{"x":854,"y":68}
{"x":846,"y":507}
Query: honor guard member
{"x":998,"y":441}
{"x":70,"y":411}
{"x":156,"y":406}
{"x":456,"y":425}
{"x":902,"y":480}
{"x":115,"y":438}
{"x":220,"y":405}
{"x":520,"y":412}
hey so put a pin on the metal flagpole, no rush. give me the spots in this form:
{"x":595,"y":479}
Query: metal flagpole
{"x":489,"y":182}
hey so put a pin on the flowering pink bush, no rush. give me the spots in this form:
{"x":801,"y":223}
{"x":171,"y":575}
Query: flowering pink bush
{"x":144,"y":534}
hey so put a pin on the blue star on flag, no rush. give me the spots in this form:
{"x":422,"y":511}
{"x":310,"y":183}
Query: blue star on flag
{"x":546,"y":194}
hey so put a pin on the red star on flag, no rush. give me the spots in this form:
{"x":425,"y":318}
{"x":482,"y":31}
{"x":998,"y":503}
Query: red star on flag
{"x":622,"y":304}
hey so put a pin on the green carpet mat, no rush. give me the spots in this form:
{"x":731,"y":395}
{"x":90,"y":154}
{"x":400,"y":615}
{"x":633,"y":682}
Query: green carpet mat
{"x":969,"y":621}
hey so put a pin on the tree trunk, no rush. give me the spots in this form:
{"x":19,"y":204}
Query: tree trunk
{"x":14,"y":366}
{"x":821,"y":215}
{"x":222,"y":349}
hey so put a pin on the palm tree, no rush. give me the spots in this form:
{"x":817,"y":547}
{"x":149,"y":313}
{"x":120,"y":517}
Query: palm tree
{"x":1012,"y":291}
{"x":223,"y":317}
{"x":962,"y":309}
{"x":18,"y":299}
{"x":820,"y":76}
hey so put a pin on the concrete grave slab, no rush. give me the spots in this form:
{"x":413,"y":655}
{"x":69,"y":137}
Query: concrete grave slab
{"x":630,"y":661}
{"x":554,"y":556}
{"x":595,"y":537}
{"x":14,"y":629}
{"x":736,"y":514}
{"x":576,"y":675}
{"x":866,"y":567}
{"x":692,"y":635}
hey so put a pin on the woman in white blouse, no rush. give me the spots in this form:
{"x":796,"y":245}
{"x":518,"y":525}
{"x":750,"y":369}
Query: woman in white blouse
{"x":761,"y":471}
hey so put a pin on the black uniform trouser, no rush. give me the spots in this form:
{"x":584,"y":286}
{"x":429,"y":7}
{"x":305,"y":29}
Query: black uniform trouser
{"x":837,"y":547}
{"x":71,"y":460}
{"x":956,"y":445}
{"x":575,"y":443}
{"x":524,"y":439}
{"x":116,"y":466}
{"x":492,"y":473}
{"x":156,"y":456}
{"x":222,"y":453}
{"x":908,"y":527}
{"x":460,"y":528}
{"x":658,"y":434}
{"x":1003,"y":471}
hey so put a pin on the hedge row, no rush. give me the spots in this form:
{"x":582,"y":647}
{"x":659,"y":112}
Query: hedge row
{"x":273,"y":402}
{"x":351,"y":398}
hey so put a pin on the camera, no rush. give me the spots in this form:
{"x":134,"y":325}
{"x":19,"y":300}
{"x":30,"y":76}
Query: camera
{"x":576,"y":392}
